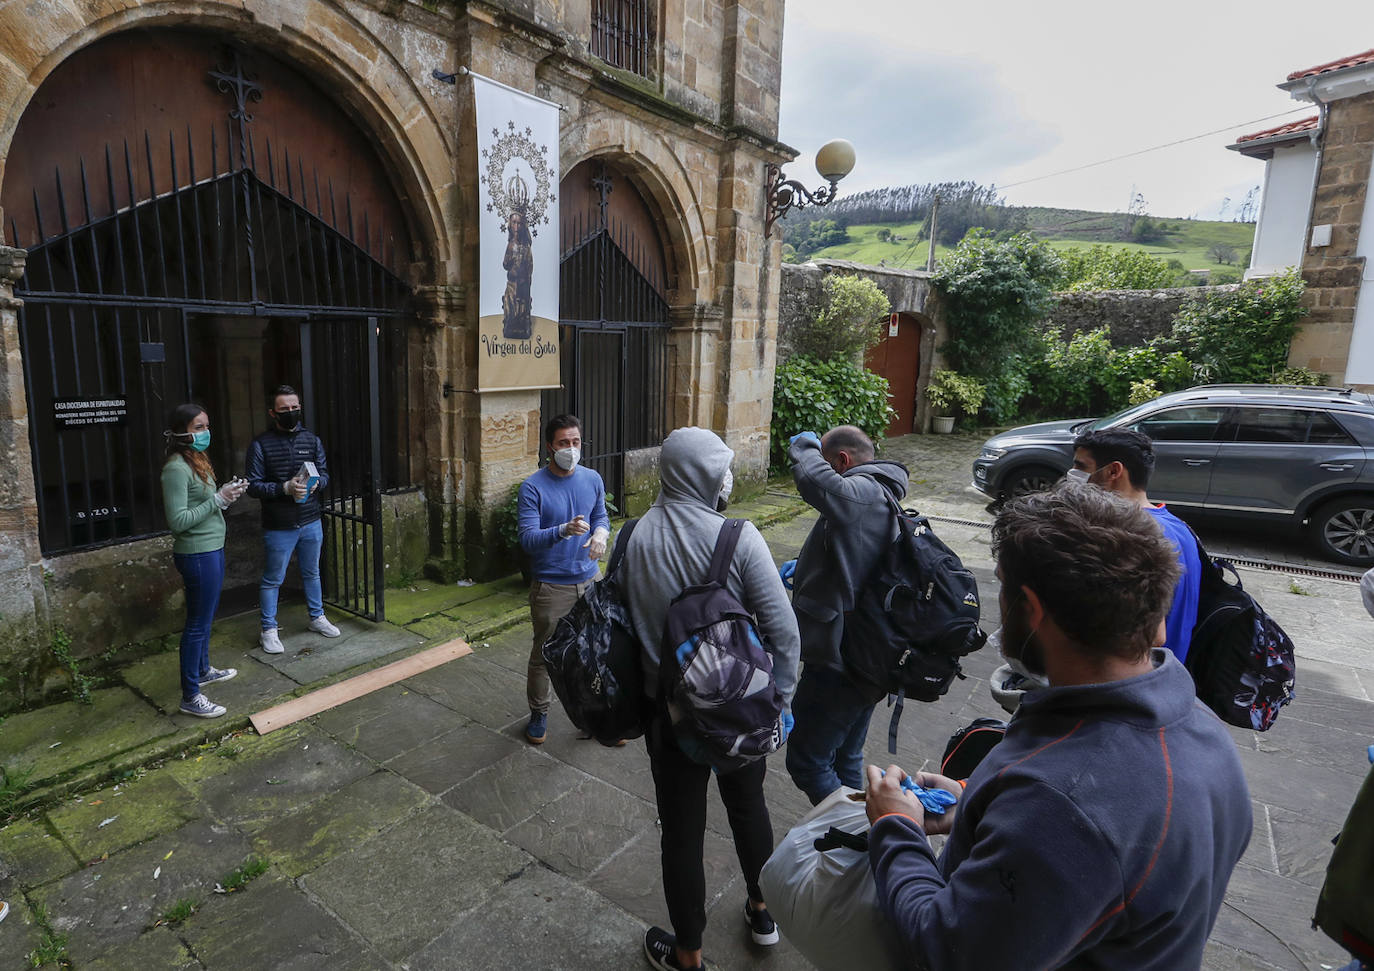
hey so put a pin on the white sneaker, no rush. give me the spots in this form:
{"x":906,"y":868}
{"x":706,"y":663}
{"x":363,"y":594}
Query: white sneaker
{"x":321,"y":625}
{"x":271,"y":642}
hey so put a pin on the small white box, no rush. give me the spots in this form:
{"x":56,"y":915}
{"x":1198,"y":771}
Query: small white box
{"x":310,"y":476}
{"x":1321,"y":235}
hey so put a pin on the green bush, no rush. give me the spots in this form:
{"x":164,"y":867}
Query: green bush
{"x":1240,"y":335}
{"x":1086,"y":375}
{"x":850,"y":320}
{"x":1143,"y":391}
{"x":1106,"y":268}
{"x":816,"y":395}
{"x":993,"y":294}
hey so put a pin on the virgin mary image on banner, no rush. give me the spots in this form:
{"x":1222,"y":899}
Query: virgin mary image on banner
{"x":518,"y":264}
{"x":517,"y":142}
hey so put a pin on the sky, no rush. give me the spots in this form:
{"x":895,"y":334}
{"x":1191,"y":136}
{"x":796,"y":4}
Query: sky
{"x":1001,"y":92}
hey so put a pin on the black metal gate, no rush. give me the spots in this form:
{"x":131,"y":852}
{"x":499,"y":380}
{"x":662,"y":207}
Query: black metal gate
{"x":113,"y":292}
{"x":615,"y":352}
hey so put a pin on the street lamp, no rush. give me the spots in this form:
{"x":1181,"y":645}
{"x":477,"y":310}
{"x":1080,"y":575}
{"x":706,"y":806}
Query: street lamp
{"x":834,"y":161}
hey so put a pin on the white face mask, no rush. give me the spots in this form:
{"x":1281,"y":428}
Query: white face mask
{"x":726,"y":487}
{"x":1077,"y":475}
{"x":567,"y":458}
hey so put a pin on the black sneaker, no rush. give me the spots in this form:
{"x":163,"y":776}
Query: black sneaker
{"x":660,"y":948}
{"x":761,"y":925}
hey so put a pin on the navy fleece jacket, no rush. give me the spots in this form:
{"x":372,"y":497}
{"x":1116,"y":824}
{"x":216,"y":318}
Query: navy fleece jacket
{"x":1100,"y":833}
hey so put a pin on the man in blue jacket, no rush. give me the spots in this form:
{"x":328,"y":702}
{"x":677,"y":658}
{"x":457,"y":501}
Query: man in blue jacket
{"x":290,"y":512}
{"x":558,"y":507}
{"x":1121,"y":460}
{"x":1103,"y":829}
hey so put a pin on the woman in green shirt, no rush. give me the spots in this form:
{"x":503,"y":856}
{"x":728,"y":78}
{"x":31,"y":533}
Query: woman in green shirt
{"x":195,"y":514}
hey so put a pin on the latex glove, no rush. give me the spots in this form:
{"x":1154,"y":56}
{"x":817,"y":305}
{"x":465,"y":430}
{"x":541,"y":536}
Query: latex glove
{"x":811,"y":435}
{"x":949,"y":792}
{"x":229,"y":492}
{"x":577,"y":526}
{"x":788,"y":723}
{"x":787,"y":571}
{"x":596,"y":544}
{"x":885,"y":795}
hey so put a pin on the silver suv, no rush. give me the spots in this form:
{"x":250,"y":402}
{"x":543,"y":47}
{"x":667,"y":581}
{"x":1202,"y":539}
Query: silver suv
{"x":1273,"y":456}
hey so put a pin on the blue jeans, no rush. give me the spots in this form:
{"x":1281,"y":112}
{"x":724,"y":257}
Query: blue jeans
{"x":278,"y":545}
{"x":826,"y":748}
{"x":203,"y":574}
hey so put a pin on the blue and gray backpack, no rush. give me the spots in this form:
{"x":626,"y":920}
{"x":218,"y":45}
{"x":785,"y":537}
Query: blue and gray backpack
{"x":715,"y":674}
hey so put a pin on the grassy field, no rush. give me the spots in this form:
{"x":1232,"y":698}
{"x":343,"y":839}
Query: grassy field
{"x":1186,"y":241}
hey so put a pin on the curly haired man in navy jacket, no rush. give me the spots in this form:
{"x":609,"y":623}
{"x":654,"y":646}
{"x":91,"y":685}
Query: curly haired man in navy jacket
{"x":1102,"y":831}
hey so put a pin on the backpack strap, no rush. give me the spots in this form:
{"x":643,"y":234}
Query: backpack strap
{"x":622,"y":543}
{"x":726,"y":541}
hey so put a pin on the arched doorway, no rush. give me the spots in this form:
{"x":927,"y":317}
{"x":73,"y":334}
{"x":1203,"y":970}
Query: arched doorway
{"x":614,"y":318}
{"x":897,"y":357}
{"x":205,"y":224}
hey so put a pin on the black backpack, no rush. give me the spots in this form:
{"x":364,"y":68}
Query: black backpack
{"x":914,"y":617}
{"x":715,"y":675}
{"x":970,"y":745}
{"x":1240,"y":659}
{"x":594,"y":659}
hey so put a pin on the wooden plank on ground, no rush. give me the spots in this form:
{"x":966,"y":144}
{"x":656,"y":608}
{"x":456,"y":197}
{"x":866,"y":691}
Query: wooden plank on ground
{"x":290,"y":712}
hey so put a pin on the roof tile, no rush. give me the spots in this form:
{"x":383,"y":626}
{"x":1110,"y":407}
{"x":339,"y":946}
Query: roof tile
{"x":1353,"y":60}
{"x":1288,"y":128}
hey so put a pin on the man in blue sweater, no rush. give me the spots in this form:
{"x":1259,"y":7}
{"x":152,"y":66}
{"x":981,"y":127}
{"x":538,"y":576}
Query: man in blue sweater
{"x":558,"y":506}
{"x":1121,"y":460}
{"x":1102,"y":831}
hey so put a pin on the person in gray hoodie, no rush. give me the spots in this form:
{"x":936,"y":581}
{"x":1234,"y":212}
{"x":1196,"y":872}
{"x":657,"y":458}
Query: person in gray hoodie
{"x":838,"y":476}
{"x":669,"y":551}
{"x":1101,"y":832}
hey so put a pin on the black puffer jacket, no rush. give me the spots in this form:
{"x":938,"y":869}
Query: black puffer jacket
{"x":273,"y":458}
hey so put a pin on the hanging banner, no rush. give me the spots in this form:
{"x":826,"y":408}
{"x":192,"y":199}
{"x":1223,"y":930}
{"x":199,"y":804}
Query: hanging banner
{"x":517,"y":145}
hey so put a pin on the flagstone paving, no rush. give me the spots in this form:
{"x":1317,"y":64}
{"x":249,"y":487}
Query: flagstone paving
{"x":414,"y":828}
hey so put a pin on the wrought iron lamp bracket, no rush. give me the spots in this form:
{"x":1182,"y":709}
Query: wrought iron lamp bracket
{"x":784,"y":195}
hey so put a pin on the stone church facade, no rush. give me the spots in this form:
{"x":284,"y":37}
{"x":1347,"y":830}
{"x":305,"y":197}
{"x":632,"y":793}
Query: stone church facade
{"x":204,"y":199}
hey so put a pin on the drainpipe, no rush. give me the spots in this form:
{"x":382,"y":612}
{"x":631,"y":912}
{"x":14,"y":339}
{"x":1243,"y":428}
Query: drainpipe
{"x":1318,"y":139}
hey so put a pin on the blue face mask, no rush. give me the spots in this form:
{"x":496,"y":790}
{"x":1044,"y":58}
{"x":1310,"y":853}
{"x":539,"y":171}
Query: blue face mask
{"x":200,"y":440}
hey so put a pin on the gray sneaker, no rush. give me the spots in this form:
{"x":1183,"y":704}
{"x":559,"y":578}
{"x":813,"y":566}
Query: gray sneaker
{"x":202,"y":707}
{"x":271,"y":642}
{"x":321,"y":625}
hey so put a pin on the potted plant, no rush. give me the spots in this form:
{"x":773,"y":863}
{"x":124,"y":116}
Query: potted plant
{"x":952,"y":394}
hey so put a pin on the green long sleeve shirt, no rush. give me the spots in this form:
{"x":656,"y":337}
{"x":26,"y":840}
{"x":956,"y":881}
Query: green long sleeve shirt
{"x":196,"y":522}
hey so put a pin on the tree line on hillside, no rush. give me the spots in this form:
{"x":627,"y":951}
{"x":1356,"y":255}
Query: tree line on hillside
{"x":963,"y":205}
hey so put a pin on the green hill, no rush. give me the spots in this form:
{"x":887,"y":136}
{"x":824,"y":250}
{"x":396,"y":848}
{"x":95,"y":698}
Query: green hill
{"x":1185,"y":240}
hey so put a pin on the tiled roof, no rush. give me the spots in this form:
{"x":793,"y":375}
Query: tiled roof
{"x":1352,"y":61}
{"x":1290,"y":128}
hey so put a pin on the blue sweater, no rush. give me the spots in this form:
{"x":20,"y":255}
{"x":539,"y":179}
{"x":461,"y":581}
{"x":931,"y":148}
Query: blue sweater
{"x":1183,"y":611}
{"x":547,"y":501}
{"x":1100,"y":833}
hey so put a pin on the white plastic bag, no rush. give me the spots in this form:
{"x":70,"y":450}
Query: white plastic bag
{"x":826,"y":904}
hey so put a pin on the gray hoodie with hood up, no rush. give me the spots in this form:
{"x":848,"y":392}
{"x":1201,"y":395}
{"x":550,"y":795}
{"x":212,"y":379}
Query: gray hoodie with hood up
{"x":671,"y":549}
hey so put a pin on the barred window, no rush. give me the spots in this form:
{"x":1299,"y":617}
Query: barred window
{"x":622,"y":34}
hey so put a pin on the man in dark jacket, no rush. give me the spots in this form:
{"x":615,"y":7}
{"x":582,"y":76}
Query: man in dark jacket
{"x":839,"y":477}
{"x":1101,"y":832}
{"x":290,"y":512}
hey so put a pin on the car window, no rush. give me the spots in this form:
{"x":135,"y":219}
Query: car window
{"x":1191,"y":424}
{"x":1325,"y":431}
{"x":1279,"y":426}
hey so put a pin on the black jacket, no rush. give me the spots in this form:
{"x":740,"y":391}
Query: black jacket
{"x":273,"y":458}
{"x":856,"y":525}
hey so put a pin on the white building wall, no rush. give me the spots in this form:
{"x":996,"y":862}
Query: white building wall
{"x":1281,"y":230}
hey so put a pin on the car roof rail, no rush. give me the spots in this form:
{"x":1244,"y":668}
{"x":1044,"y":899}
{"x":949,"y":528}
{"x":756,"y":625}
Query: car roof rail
{"x":1315,"y":388}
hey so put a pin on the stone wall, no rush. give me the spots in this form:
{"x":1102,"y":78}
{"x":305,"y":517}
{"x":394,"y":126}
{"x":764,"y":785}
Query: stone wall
{"x":1334,"y":273}
{"x":1133,"y":316}
{"x":803,"y":292}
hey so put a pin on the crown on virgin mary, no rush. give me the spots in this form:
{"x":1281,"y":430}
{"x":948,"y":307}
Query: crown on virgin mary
{"x":518,"y":193}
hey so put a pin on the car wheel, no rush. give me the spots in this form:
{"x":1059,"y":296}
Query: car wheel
{"x":1344,"y":530}
{"x":1028,"y":479}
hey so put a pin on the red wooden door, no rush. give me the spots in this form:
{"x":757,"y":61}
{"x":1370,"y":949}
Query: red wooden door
{"x":898,"y":358}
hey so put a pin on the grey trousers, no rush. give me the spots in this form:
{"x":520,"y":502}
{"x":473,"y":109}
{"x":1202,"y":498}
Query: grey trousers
{"x":549,"y":602}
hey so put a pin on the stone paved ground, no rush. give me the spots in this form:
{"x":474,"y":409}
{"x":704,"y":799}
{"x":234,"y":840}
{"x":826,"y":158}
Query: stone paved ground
{"x":413,"y":828}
